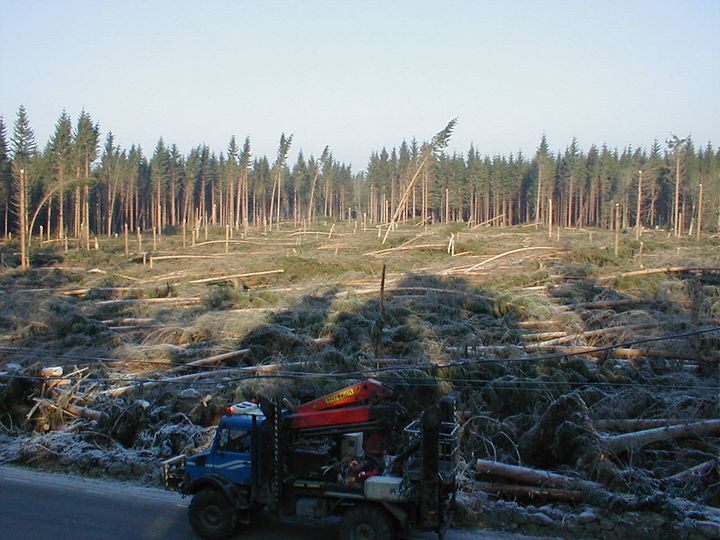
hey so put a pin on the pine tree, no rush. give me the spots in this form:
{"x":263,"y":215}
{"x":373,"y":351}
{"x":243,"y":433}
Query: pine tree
{"x":86,"y":143}
{"x":5,"y":176}
{"x":678,"y":147}
{"x":243,"y":186}
{"x":61,"y":145}
{"x":24,"y":149}
{"x":279,"y":171}
{"x":159,"y":173}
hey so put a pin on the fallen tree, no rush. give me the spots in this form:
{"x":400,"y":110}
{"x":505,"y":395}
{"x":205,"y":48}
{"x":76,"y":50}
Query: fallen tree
{"x":635,"y":440}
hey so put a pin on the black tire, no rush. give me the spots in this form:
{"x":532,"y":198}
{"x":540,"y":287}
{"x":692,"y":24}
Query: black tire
{"x":366,"y":522}
{"x":211,"y":515}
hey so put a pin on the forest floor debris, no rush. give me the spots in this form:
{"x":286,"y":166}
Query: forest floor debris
{"x":587,"y":389}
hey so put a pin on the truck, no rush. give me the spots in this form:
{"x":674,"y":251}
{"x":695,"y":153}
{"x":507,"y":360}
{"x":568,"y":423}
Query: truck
{"x":336,"y":455}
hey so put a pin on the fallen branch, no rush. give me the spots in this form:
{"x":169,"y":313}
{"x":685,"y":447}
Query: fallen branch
{"x":638,"y":439}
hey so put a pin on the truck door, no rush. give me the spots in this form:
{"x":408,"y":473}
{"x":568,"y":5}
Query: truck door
{"x":232,"y":456}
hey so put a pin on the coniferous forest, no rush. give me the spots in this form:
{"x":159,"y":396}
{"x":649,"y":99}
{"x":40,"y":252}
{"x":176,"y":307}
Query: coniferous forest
{"x":82,"y":184}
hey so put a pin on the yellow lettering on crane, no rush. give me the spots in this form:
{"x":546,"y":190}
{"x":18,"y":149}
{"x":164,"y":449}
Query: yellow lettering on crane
{"x":341,"y":395}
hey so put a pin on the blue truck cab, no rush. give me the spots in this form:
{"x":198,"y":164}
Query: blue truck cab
{"x":228,"y":464}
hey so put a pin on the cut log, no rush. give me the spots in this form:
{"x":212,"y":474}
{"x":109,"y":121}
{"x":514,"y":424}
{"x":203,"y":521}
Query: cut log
{"x":51,"y":372}
{"x":84,"y":411}
{"x":533,"y":476}
{"x":75,"y":410}
{"x":531,"y":492}
{"x":638,"y":439}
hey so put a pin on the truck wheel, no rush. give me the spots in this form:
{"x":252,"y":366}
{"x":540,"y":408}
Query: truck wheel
{"x":211,"y":515}
{"x":366,"y":523}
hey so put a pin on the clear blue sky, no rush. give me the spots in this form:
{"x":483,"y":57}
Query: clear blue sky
{"x":360,"y":75}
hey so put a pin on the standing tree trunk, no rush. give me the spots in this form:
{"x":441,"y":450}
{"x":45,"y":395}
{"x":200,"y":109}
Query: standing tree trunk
{"x":21,"y":202}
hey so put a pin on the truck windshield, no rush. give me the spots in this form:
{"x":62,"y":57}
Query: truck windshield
{"x":234,"y":440}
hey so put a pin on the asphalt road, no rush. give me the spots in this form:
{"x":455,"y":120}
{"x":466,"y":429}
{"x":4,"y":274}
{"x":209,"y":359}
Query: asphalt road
{"x":44,"y":506}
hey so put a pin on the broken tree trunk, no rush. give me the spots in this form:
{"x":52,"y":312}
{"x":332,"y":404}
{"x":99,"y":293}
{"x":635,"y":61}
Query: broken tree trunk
{"x":212,"y":359}
{"x":605,"y":304}
{"x":638,"y":439}
{"x":481,"y":263}
{"x":693,"y":472}
{"x":534,"y":476}
{"x":406,"y":248}
{"x":249,"y":274}
{"x":635,"y":424}
{"x":114,"y":392}
{"x":666,"y":270}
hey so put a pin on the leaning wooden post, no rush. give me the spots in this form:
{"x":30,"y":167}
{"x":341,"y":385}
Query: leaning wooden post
{"x":700,"y":209}
{"x":127,"y":245}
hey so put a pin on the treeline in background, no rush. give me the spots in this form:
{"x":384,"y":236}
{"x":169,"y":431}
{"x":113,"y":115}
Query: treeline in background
{"x":79,"y":186}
